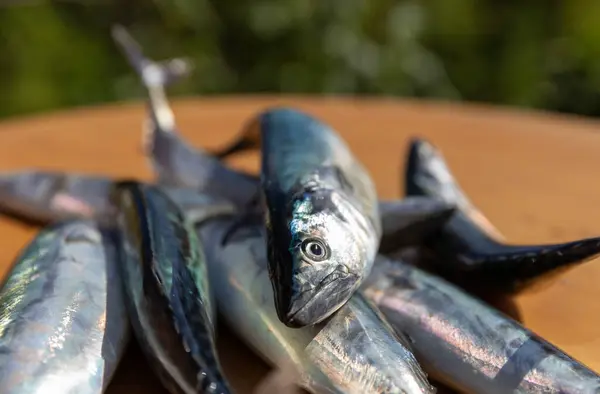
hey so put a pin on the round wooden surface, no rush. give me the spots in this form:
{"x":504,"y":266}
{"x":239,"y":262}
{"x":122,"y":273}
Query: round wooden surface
{"x":532,"y":174}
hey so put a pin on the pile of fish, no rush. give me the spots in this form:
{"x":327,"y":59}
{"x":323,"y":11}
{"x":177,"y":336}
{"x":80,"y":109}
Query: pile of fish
{"x":339,"y":291}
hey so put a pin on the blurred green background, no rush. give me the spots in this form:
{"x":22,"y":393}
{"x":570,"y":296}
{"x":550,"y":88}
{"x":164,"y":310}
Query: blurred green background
{"x":541,"y":54}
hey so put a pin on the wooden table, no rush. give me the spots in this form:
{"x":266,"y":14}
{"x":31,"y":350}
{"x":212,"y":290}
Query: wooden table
{"x":532,"y":174}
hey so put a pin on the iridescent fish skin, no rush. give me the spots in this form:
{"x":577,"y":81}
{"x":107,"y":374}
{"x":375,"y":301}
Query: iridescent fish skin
{"x":167,"y":290}
{"x":63,"y":325}
{"x":321,"y":213}
{"x":464,"y":343}
{"x":51,"y":196}
{"x":469,"y":250}
{"x":353,"y":352}
{"x":374,"y":359}
{"x":175,"y":162}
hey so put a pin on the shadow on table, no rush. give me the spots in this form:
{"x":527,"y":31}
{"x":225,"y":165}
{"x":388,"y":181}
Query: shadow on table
{"x":244,"y":370}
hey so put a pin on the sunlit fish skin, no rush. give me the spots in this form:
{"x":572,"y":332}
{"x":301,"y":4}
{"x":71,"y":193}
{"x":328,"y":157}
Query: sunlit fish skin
{"x":473,"y":252}
{"x":44,"y":197}
{"x":353,"y":352}
{"x":51,"y":196}
{"x":63,"y":325}
{"x":167,"y":291}
{"x":377,"y":361}
{"x":321,"y":213}
{"x":175,"y":162}
{"x":464,"y":343}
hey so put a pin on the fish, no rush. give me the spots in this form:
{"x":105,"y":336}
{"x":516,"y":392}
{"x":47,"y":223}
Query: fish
{"x":469,"y":250}
{"x":465,"y":344}
{"x":63,"y":326}
{"x":321,"y":212}
{"x":309,"y":287}
{"x":354,"y":351}
{"x":173,"y":160}
{"x":45,"y":197}
{"x":167,"y":290}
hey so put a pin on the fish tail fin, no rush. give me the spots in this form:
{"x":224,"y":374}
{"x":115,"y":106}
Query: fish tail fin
{"x":154,"y":75}
{"x":519,"y":268}
{"x":427,"y":174}
{"x":159,"y":127}
{"x":474,"y":245}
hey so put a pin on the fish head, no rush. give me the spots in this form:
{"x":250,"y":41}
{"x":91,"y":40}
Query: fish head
{"x":329,"y":252}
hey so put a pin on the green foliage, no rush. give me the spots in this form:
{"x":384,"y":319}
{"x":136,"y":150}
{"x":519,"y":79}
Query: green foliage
{"x":543,"y":54}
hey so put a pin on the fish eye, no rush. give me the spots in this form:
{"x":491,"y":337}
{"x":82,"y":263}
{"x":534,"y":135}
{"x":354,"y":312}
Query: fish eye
{"x":314,"y":249}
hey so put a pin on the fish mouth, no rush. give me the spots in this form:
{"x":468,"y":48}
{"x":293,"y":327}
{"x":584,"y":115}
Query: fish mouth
{"x":317,"y":304}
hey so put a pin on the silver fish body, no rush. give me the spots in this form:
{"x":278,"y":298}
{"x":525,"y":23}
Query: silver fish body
{"x":45,"y":197}
{"x":373,"y":359}
{"x":467,"y":345}
{"x":50,"y":196}
{"x":167,"y":290}
{"x":63,"y":325}
{"x":353,"y":352}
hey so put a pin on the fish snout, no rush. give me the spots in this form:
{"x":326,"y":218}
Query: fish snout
{"x":312,"y":305}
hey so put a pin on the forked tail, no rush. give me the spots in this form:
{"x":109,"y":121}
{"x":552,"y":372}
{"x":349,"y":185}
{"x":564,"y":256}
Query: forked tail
{"x":154,"y":75}
{"x":427,"y":174}
{"x":470,"y":247}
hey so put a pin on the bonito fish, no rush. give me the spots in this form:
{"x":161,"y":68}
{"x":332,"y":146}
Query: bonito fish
{"x":355,"y":351}
{"x":470,"y":250}
{"x":467,"y":345}
{"x":321,"y":214}
{"x":63,"y":325}
{"x":167,"y":290}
